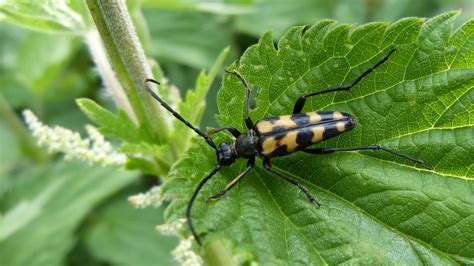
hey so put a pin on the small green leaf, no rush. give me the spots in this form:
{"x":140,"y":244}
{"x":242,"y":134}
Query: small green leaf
{"x":193,"y":106}
{"x":115,"y":126}
{"x":144,"y":165}
{"x":149,"y":158}
{"x":376,"y":209}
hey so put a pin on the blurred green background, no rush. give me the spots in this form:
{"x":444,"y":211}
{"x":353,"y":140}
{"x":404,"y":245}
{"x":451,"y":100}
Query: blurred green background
{"x":56,"y":212}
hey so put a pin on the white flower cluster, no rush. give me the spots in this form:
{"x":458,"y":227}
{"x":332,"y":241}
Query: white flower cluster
{"x":185,"y":255}
{"x":151,"y":198}
{"x":183,"y":252}
{"x":94,"y":149}
{"x":171,"y":228}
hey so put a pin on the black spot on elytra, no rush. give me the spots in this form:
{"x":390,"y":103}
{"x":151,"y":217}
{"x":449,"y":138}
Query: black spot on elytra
{"x":278,"y":128}
{"x":326,"y":116}
{"x":330,"y":131}
{"x":351,"y":123}
{"x":304,"y":137}
{"x":279,"y":135}
{"x":300,"y":119}
{"x":280,"y":151}
{"x":271,"y":119}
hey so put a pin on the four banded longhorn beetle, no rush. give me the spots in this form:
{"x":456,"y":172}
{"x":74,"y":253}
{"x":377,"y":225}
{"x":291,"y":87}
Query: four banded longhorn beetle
{"x":277,"y":136}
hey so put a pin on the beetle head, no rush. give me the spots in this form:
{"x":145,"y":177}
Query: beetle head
{"x":226,"y":153}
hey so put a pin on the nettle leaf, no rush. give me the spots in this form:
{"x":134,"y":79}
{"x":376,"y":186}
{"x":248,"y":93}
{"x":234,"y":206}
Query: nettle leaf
{"x":55,"y":198}
{"x":141,"y":152}
{"x":375,"y":208}
{"x":149,"y":158}
{"x":111,"y":235}
{"x":59,"y":16}
{"x":118,"y":126}
{"x":187,"y":37}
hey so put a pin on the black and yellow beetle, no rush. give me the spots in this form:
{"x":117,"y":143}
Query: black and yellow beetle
{"x":277,"y":136}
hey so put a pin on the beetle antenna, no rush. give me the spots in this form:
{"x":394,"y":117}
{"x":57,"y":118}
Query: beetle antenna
{"x":191,"y":202}
{"x":176,"y":114}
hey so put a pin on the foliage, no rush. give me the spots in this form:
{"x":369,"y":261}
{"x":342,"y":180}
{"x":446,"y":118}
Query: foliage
{"x":44,"y":226}
{"x":111,"y":235}
{"x":48,"y":59}
{"x":50,"y":16}
{"x":375,"y":207}
{"x":136,"y":141}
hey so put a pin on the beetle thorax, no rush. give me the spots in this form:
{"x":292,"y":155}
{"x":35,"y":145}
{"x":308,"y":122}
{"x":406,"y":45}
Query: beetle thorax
{"x":247,"y":145}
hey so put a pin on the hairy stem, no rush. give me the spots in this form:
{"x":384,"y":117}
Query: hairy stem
{"x":111,"y":83}
{"x":129,"y":63}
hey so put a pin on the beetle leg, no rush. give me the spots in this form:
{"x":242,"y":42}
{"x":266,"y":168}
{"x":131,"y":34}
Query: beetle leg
{"x":369,"y":147}
{"x":268,"y":166}
{"x":235,"y":132}
{"x":248,"y":121}
{"x":250,"y":164}
{"x":299,"y":104}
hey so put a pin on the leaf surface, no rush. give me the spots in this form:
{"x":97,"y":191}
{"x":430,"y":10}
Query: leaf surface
{"x":54,"y":199}
{"x":50,"y":16}
{"x":376,"y":208}
{"x":110,"y":236}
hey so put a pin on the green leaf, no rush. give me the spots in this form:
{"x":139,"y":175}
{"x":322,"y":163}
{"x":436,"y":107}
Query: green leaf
{"x":57,"y":16}
{"x":149,"y":158}
{"x":376,"y":209}
{"x":111,"y":234}
{"x":34,"y":76}
{"x":189,"y":38}
{"x":135,"y":140}
{"x":39,"y":67}
{"x":279,"y":15}
{"x":118,"y":126}
{"x":217,"y":7}
{"x":57,"y":197}
{"x":193,"y":106}
{"x":10,"y":143}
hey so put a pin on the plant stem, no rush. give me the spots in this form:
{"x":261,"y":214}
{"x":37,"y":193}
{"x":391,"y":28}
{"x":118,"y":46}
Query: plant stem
{"x":28,"y":147}
{"x":129,"y":63}
{"x":218,"y":253}
{"x":109,"y":79}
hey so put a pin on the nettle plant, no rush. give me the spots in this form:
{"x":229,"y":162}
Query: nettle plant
{"x":376,"y":208}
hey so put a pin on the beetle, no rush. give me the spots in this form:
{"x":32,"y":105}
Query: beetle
{"x":277,"y":136}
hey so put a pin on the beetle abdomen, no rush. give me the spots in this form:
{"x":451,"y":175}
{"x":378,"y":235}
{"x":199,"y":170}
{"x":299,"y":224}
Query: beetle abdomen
{"x":286,"y":134}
